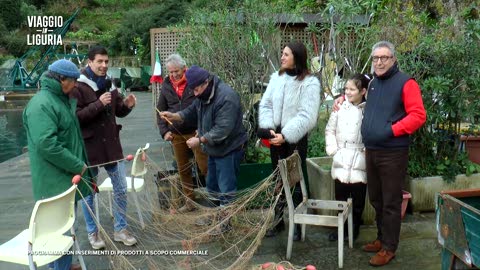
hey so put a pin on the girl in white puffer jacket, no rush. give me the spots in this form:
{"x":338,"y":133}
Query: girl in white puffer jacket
{"x":344,"y":143}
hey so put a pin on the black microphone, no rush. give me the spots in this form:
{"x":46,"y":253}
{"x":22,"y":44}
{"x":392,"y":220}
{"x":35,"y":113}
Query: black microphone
{"x":108,"y":85}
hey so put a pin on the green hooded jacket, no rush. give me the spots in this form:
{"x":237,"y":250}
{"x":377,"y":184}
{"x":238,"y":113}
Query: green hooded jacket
{"x":55,"y":143}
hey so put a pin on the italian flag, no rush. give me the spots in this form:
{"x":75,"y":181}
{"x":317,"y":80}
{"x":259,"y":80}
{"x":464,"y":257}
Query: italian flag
{"x":157,"y":70}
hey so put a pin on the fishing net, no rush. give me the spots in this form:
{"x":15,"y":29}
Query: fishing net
{"x":210,"y":237}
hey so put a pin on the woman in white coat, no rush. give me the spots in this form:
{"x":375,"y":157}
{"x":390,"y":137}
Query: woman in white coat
{"x":344,"y":142}
{"x":287,"y":112}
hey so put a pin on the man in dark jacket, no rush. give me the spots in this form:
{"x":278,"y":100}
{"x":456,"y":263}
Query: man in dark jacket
{"x":393,"y":111}
{"x":218,"y":114}
{"x":176,"y":96}
{"x":55,"y":145}
{"x":97,"y":108}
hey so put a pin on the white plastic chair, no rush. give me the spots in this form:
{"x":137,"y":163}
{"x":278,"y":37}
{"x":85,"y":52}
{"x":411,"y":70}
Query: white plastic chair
{"x":135,"y":183}
{"x":44,"y":240}
{"x":291,"y":173}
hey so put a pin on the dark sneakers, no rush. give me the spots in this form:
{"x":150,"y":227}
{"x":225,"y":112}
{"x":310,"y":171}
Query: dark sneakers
{"x":333,"y":236}
{"x":281,"y":227}
{"x":276,"y":230}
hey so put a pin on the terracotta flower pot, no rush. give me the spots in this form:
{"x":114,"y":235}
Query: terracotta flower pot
{"x":472,"y":146}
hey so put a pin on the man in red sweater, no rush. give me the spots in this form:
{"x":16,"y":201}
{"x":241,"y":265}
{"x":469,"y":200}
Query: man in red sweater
{"x":393,"y":111}
{"x":174,"y":97}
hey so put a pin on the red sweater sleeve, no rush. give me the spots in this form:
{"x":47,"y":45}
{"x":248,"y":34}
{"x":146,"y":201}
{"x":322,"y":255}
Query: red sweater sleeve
{"x":416,"y":115}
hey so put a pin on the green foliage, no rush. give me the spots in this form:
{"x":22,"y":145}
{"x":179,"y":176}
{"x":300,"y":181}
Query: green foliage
{"x":316,"y":137}
{"x":347,"y":38}
{"x":316,"y":144}
{"x":141,"y":50}
{"x":137,"y":24}
{"x":36,"y":3}
{"x":255,"y":154}
{"x":10,"y":12}
{"x":4,"y":58}
{"x":15,"y":42}
{"x":446,"y":66}
{"x":350,"y":7}
{"x":27,"y":10}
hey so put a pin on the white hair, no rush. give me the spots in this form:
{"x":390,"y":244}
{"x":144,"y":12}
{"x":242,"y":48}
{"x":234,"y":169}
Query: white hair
{"x":384,"y":44}
{"x":176,"y":60}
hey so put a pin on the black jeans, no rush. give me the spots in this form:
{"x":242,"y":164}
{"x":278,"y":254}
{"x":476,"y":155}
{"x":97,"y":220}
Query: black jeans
{"x":281,"y":152}
{"x":386,"y":172}
{"x":356,"y":191}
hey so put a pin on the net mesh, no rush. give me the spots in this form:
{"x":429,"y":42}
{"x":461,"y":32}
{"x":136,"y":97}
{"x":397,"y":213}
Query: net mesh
{"x":209,"y":237}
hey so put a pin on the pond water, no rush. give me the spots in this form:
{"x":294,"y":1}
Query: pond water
{"x":12,"y":134}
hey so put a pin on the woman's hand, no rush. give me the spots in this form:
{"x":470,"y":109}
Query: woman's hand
{"x":278,"y":140}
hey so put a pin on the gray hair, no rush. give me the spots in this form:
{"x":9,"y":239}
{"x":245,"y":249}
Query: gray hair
{"x":176,"y":60}
{"x":384,"y":44}
{"x":57,"y":76}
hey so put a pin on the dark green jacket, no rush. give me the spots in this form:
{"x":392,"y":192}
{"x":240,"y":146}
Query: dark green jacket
{"x":55,"y":143}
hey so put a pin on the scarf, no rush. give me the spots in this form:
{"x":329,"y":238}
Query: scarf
{"x":100,"y":81}
{"x":179,"y":85}
{"x":292,"y":72}
{"x":208,"y":91}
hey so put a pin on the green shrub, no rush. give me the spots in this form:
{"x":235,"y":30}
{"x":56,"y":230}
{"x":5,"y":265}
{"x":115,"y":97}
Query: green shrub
{"x":137,"y":23}
{"x":316,"y":137}
{"x":447,"y":69}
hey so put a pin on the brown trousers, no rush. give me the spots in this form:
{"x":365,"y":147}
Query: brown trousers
{"x":386,"y":172}
{"x":182,"y":156}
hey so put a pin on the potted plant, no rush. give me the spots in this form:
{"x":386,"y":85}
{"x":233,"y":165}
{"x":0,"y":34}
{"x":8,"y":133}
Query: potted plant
{"x":471,"y":142}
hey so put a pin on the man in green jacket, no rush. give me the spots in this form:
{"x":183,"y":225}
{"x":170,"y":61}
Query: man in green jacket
{"x":55,"y":143}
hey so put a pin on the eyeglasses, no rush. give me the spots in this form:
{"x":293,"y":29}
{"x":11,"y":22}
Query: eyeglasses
{"x":382,"y":59}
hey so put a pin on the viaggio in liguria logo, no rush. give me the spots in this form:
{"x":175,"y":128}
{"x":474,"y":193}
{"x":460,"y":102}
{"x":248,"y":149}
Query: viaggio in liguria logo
{"x":44,"y":26}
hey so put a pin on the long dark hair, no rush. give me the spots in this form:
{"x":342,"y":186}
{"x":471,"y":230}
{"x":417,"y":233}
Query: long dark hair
{"x":299,"y":52}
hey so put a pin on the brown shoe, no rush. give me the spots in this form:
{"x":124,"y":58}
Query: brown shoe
{"x":75,"y":267}
{"x":374,"y":246}
{"x":382,"y":257}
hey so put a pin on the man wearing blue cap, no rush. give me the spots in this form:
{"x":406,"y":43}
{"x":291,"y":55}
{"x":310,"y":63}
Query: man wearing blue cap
{"x":218,"y":114}
{"x":55,"y":145}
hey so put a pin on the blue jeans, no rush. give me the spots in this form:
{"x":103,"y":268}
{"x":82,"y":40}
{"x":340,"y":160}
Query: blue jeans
{"x":222,"y":176}
{"x":116,"y":172}
{"x":62,"y":263}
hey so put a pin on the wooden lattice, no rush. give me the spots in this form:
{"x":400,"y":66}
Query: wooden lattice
{"x":166,"y":41}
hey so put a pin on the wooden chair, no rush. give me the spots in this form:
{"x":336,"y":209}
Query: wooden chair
{"x":44,"y":240}
{"x":135,"y":183}
{"x":291,"y":173}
